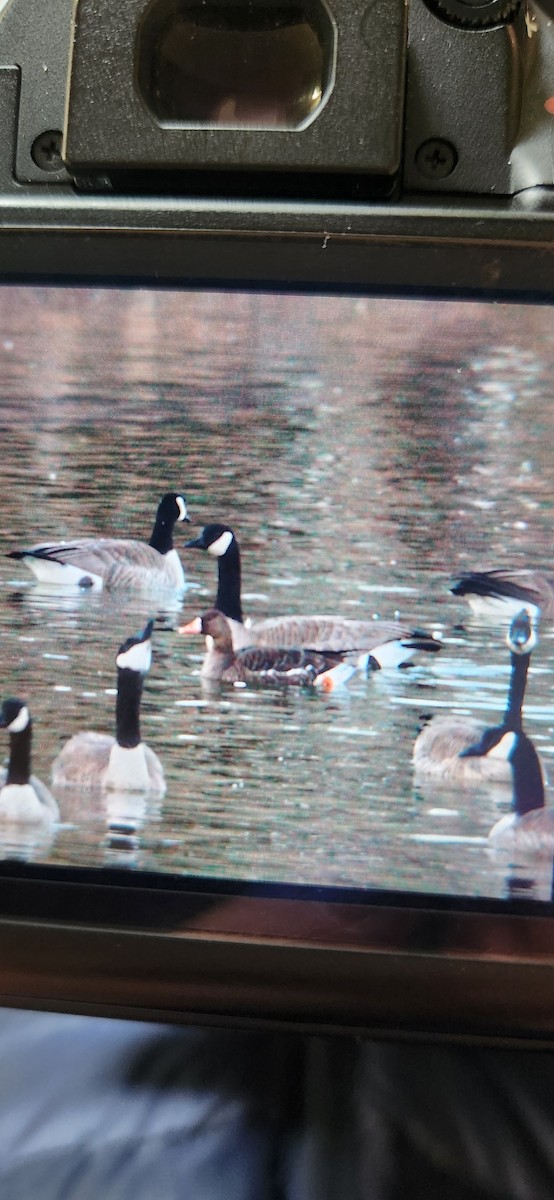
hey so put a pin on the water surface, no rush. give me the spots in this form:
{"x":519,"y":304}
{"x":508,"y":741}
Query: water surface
{"x":363,"y":451}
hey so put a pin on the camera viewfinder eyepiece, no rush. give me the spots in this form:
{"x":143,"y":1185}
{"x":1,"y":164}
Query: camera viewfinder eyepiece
{"x":236,"y":65}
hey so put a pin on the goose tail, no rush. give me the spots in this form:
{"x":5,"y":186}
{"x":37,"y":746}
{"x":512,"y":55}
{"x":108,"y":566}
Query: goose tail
{"x":496,"y":593}
{"x":398,"y":652}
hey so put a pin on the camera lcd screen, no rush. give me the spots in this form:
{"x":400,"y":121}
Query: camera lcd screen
{"x":365,"y":453}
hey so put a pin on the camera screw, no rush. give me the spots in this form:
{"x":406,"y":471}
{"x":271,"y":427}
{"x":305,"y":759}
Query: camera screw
{"x":436,"y":159}
{"x":46,"y":151}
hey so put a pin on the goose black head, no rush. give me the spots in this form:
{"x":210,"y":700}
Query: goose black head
{"x":522,"y":637}
{"x":172,"y":508}
{"x":216,"y":539}
{"x":14,"y":715}
{"x":136,"y":653}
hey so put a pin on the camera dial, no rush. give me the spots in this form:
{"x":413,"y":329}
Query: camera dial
{"x":475,"y":14}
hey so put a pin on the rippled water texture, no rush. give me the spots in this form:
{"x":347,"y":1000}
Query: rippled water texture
{"x":363,"y":451}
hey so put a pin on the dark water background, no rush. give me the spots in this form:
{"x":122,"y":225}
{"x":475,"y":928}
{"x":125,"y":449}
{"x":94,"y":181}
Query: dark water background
{"x":364,"y":451}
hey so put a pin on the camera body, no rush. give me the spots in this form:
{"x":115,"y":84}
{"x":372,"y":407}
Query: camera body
{"x":418,"y":154}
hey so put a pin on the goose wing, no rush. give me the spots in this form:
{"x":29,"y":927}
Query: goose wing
{"x":155,"y":773}
{"x":281,"y":661}
{"x":96,"y":555}
{"x":437,"y":750}
{"x":82,"y":760}
{"x":267,"y":665}
{"x":113,"y":560}
{"x":336,"y":634}
{"x":525,"y":586}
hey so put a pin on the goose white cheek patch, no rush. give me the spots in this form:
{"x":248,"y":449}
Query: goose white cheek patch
{"x":180,"y":502}
{"x":504,"y":747}
{"x":20,"y":722}
{"x":136,"y":658}
{"x":522,"y":647}
{"x":221,"y":545}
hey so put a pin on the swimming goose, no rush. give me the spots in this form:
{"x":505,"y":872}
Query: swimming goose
{"x":114,"y":562}
{"x":260,"y":664}
{"x":501,"y":593}
{"x":123,"y":763}
{"x":23,"y":798}
{"x":378,"y":643}
{"x":529,"y":828}
{"x":440,"y":749}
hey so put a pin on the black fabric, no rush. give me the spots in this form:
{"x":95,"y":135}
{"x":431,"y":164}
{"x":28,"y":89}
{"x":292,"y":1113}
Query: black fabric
{"x":118,"y":1110}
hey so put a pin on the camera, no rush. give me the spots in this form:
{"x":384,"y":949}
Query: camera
{"x":297,"y":141}
{"x":218,"y":220}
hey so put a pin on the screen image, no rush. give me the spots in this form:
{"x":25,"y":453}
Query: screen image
{"x":365,"y":453}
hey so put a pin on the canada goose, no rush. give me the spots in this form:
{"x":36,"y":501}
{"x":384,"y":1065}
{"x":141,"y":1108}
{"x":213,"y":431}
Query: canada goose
{"x":378,"y":643}
{"x":440,"y":749}
{"x":123,"y":763}
{"x":114,"y":562}
{"x":23,"y":798}
{"x":260,"y":664}
{"x":501,"y":593}
{"x":529,"y":828}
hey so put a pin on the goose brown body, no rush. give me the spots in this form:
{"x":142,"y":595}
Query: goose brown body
{"x":255,"y":664}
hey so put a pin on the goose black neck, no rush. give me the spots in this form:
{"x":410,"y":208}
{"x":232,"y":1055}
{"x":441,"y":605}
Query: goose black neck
{"x":527,"y":777}
{"x":228,"y":583}
{"x":127,"y":708}
{"x":516,"y":692}
{"x":19,"y":766}
{"x":162,"y":535}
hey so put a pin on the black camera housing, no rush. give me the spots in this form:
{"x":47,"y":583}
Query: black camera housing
{"x":455,"y":194}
